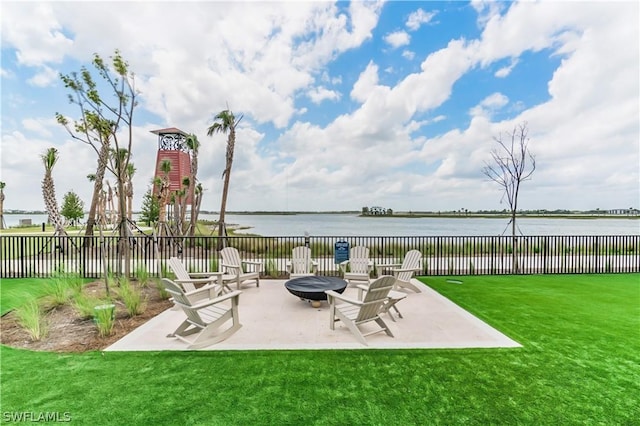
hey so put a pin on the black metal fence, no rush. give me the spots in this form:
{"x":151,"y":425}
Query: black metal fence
{"x":40,"y":256}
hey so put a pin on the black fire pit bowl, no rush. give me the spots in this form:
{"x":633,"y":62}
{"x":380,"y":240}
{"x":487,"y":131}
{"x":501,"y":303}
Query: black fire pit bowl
{"x":313,"y":288}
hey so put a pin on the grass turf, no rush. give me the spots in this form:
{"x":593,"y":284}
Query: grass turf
{"x":579,"y":365}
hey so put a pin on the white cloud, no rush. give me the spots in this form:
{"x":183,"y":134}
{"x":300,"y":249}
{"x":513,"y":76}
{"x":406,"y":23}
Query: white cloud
{"x":397,"y":39}
{"x":45,"y":77}
{"x":4,"y":73}
{"x":319,"y":94}
{"x":490,"y":104}
{"x":419,"y":17}
{"x":39,"y":126}
{"x":505,"y":71}
{"x":262,"y":58}
{"x":366,"y":83}
{"x":408,"y":54}
{"x":35,"y":32}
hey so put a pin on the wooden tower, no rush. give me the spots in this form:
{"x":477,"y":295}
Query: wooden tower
{"x":171,"y":146}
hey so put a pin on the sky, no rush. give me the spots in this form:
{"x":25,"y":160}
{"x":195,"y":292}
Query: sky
{"x":345,"y":105}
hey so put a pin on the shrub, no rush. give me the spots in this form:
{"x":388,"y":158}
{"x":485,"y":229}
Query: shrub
{"x":163,"y":291}
{"x":30,"y":317}
{"x":167,"y":272}
{"x":74,"y":281}
{"x":131,"y":297}
{"x":105,"y":319}
{"x":58,"y":292}
{"x":142,"y":274}
{"x":85,"y":305}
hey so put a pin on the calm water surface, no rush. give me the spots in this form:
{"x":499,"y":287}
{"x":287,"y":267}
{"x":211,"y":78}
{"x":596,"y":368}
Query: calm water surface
{"x":337,"y":225}
{"x":352,"y":225}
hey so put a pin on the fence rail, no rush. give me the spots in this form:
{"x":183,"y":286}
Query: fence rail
{"x":40,"y":256}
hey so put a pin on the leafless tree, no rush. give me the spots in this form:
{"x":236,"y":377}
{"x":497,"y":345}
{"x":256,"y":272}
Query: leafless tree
{"x":512,"y":163}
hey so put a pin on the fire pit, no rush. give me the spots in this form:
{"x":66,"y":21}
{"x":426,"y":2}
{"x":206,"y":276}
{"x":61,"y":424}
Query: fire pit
{"x":313,"y":288}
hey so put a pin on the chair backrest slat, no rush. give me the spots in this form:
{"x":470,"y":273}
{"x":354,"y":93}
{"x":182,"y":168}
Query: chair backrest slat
{"x":301,"y":260}
{"x":181,"y":273}
{"x":231,"y":257}
{"x":411,"y":261}
{"x":359,"y":260}
{"x":374,"y":298}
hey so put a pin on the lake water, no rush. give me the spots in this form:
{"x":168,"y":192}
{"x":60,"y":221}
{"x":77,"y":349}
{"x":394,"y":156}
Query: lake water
{"x":338,"y":225}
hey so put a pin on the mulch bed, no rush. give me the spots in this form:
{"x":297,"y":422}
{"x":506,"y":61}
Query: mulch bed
{"x":68,"y":332}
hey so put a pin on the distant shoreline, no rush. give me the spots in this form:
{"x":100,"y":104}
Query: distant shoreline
{"x":501,"y":216}
{"x":406,"y":215}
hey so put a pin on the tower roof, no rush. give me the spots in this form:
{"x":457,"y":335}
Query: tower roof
{"x":169,"y":130}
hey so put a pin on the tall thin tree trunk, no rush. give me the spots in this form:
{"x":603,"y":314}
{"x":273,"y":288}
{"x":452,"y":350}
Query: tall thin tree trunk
{"x":514,"y":243}
{"x":222,"y":233}
{"x":1,"y":209}
{"x":103,"y":157}
{"x":123,"y":225}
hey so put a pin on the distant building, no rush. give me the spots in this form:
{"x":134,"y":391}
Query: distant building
{"x":376,"y":211}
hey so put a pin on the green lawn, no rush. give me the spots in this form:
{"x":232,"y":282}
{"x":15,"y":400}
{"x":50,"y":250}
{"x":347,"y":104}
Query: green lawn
{"x":580,"y":364}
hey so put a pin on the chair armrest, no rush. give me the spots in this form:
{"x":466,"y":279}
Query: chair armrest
{"x":339,"y":296}
{"x":218,"y":299}
{"x":235,"y":267}
{"x":406,"y":270}
{"x":252,"y":262}
{"x":389,"y":265}
{"x":204,"y":274}
{"x":396,"y":295}
{"x":197,"y":291}
{"x":196,"y":280}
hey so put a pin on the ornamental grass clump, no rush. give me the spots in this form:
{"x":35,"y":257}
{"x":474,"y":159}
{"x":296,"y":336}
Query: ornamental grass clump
{"x":31,"y":317}
{"x":74,"y":281}
{"x":58,"y":292}
{"x":131,"y":297}
{"x":142,"y":274}
{"x":164,"y":294}
{"x":85,"y":305}
{"x":104,"y":317}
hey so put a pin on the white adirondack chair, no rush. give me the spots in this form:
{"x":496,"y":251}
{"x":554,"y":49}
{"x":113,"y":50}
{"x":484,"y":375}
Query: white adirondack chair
{"x":353,"y":313}
{"x":205,"y":317}
{"x":393,"y":298}
{"x":214,"y":281}
{"x":237,"y":270}
{"x":301,"y":264}
{"x":404,"y":272}
{"x":358,"y":268}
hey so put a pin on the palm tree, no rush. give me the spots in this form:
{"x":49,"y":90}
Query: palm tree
{"x":49,"y":159}
{"x":194,"y":145}
{"x":225,"y":122}
{"x":2,"y":185}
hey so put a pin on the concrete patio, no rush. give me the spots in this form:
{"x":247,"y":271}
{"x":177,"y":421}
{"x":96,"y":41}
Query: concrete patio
{"x":272,"y":318}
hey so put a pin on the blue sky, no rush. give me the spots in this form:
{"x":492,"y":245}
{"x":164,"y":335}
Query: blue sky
{"x":345,"y":105}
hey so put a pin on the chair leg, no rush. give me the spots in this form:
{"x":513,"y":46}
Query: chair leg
{"x":395,"y":308}
{"x":332,"y":313}
{"x":183,"y":329}
{"x":384,"y":326}
{"x":406,"y":284}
